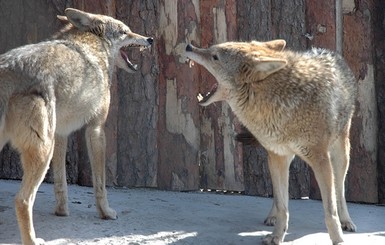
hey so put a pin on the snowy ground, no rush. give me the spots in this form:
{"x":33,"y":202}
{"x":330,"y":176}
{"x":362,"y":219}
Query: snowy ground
{"x":148,"y":216}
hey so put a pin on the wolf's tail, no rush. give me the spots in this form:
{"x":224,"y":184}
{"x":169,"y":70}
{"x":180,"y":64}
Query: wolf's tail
{"x":3,"y":104}
{"x":246,"y":138}
{"x":7,"y":88}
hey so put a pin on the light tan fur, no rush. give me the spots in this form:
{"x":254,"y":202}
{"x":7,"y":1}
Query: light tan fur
{"x":50,"y":89}
{"x":294,"y":104}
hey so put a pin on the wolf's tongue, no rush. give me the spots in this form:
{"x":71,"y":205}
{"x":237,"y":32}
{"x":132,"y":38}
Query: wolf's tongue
{"x":213,"y":88}
{"x":130,"y":65}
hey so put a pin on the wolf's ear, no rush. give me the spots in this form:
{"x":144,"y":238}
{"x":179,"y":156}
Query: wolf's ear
{"x":62,"y":18}
{"x":277,"y":45}
{"x":85,"y":21}
{"x":259,"y":68}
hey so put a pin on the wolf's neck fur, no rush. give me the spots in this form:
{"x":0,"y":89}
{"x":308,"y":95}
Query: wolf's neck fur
{"x":91,"y":42}
{"x":263,"y":106}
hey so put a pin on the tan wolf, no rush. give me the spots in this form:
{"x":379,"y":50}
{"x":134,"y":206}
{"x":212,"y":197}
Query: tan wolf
{"x":294,"y":104}
{"x":52,"y":88}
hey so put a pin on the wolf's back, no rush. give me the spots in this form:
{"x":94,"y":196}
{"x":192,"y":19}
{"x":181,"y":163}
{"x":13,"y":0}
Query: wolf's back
{"x":339,"y":98}
{"x":36,"y":68}
{"x":337,"y":65}
{"x":18,"y":70}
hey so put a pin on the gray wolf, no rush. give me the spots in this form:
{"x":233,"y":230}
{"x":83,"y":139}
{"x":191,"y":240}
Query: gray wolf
{"x":53,"y":88}
{"x":294,"y":103}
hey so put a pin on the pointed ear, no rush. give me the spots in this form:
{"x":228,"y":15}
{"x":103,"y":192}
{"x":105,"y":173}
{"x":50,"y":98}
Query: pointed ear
{"x":260,"y":68}
{"x":62,"y":18}
{"x":277,"y":45}
{"x":82,"y":20}
{"x":270,"y":65}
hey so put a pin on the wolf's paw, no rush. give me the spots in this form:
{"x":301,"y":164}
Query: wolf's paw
{"x":271,"y":240}
{"x":38,"y":241}
{"x":348,"y":226}
{"x":61,"y":211}
{"x":108,"y":213}
{"x":270,"y":221}
{"x":338,"y":243}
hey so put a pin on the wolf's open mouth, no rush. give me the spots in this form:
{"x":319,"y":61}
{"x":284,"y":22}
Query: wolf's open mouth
{"x":204,"y":98}
{"x":125,"y":56}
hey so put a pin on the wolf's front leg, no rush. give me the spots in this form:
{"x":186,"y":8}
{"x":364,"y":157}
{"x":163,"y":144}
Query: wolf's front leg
{"x":279,"y":171}
{"x":96,"y":144}
{"x":59,"y":174}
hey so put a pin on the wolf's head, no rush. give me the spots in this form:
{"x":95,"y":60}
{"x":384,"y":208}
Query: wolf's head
{"x":114,"y":32}
{"x":236,"y":63}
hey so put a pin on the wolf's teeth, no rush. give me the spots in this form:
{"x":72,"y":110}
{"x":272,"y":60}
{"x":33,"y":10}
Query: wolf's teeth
{"x":199,"y":97}
{"x":191,"y":63}
{"x":141,"y":48}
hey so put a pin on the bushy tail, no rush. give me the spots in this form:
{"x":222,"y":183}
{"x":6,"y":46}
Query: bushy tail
{"x":7,"y":88}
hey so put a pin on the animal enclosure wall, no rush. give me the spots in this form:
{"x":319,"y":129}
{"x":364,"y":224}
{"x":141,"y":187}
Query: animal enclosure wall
{"x":158,"y":136}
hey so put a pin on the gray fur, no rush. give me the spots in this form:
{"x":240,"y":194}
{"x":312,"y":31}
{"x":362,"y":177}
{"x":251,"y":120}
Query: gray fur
{"x":53,"y":88}
{"x":294,"y":103}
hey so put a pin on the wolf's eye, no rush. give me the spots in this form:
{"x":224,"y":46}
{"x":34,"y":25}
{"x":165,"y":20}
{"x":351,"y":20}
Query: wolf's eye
{"x":121,"y":32}
{"x":215,"y":57}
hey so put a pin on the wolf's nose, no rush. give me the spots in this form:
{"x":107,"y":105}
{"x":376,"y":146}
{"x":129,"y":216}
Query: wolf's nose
{"x":150,"y":40}
{"x":189,"y":48}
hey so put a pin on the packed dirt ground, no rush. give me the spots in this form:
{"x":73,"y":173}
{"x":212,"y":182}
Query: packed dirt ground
{"x":148,"y":216}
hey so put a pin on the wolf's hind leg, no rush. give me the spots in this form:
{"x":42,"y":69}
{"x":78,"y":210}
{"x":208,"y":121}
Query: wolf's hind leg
{"x":271,"y":217}
{"x":323,"y":171}
{"x":60,"y":178}
{"x":34,"y":168}
{"x":30,"y":124}
{"x":340,"y":160}
{"x":96,"y":144}
{"x":279,"y":171}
